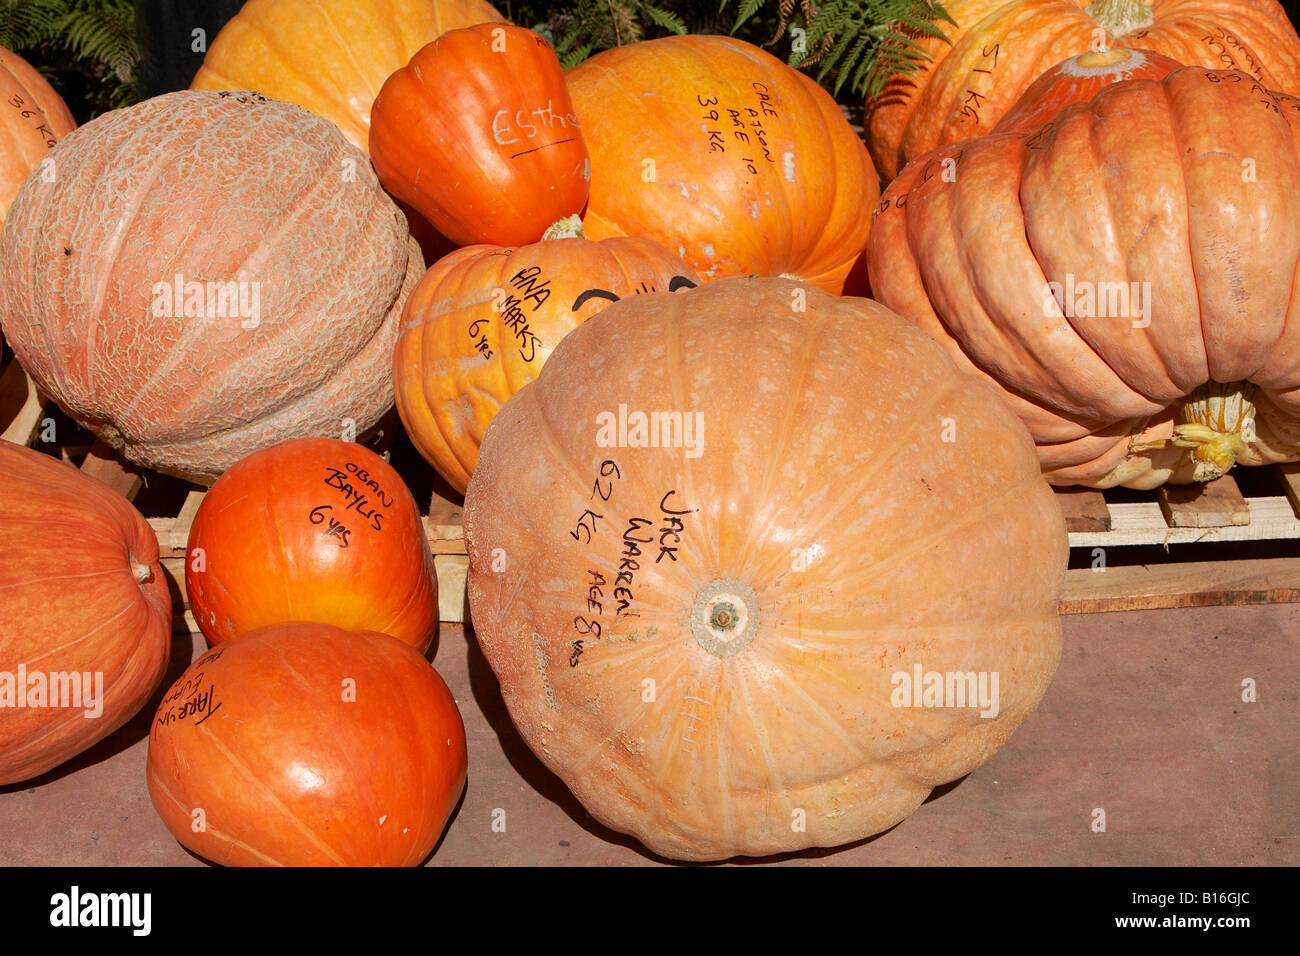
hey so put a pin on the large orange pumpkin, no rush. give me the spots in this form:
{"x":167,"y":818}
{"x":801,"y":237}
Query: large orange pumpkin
{"x":329,"y":56}
{"x":1078,"y":80}
{"x":483,"y":320}
{"x":999,"y":47}
{"x":478,"y":135}
{"x":32,"y":118}
{"x":209,"y":274}
{"x":315,"y":529}
{"x":308,"y":745}
{"x":715,"y":540}
{"x":85,"y":616}
{"x":726,"y":156}
{"x":1124,"y":274}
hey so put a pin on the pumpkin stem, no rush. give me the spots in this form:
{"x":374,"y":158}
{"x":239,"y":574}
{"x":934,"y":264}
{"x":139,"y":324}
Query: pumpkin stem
{"x":1218,"y":424}
{"x":725,"y":617}
{"x":141,"y":572}
{"x":1119,"y":17}
{"x":570,"y":227}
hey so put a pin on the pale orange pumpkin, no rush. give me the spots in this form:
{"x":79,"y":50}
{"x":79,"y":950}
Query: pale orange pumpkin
{"x":724,"y":155}
{"x":1124,"y":274}
{"x":480,"y":324}
{"x":329,"y":56}
{"x":208,"y":274}
{"x":714,"y":541}
{"x":999,"y":47}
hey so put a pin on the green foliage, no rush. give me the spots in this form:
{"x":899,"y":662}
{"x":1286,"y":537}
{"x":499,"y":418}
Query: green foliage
{"x":858,"y":43}
{"x":848,"y":45}
{"x":86,"y":48}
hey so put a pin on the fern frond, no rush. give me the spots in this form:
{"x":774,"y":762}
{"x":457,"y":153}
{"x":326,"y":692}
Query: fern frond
{"x":665,"y":18}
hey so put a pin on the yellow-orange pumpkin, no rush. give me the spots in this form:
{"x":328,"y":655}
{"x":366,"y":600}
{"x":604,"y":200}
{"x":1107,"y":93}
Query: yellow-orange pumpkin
{"x":707,"y":638}
{"x":329,"y":56}
{"x":85,"y":615}
{"x":480,"y":324}
{"x":724,"y":155}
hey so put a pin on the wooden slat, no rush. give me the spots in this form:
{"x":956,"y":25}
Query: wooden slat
{"x":1212,"y":504}
{"x":1290,"y":474}
{"x":104,"y":463}
{"x":443,"y":526}
{"x":1085,"y":509}
{"x":1141,"y":522}
{"x":1182,"y":584}
{"x":21,"y":405}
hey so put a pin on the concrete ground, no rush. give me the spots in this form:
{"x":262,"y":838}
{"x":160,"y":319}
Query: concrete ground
{"x":1144,"y":720}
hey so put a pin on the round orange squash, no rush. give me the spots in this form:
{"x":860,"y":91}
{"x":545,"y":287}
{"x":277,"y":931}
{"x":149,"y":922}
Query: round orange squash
{"x":716,"y":540}
{"x":85,"y":615}
{"x":999,"y":47}
{"x":32,"y":118}
{"x":1124,"y":274}
{"x":478,"y":135}
{"x":329,"y":56}
{"x":483,"y":320}
{"x":308,"y":745}
{"x":1078,"y":80}
{"x":315,"y":529}
{"x":724,"y":155}
{"x":209,"y":274}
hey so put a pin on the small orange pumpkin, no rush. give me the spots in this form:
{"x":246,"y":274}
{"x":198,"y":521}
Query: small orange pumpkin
{"x":308,"y":745}
{"x":482,"y":321}
{"x":316,"y":529}
{"x":478,"y":135}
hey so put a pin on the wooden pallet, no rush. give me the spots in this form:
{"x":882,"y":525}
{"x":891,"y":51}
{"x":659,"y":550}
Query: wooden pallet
{"x":1100,"y":524}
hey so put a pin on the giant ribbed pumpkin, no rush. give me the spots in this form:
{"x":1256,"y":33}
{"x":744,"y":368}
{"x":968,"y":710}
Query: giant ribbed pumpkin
{"x":725,"y":155}
{"x":85,"y":616}
{"x":478,"y":135}
{"x":715,"y":544}
{"x":308,"y":745}
{"x":480,"y":324}
{"x":1124,"y":273}
{"x":314,"y":529}
{"x":999,"y":47}
{"x":329,"y":56}
{"x":209,"y":274}
{"x":32,"y":118}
